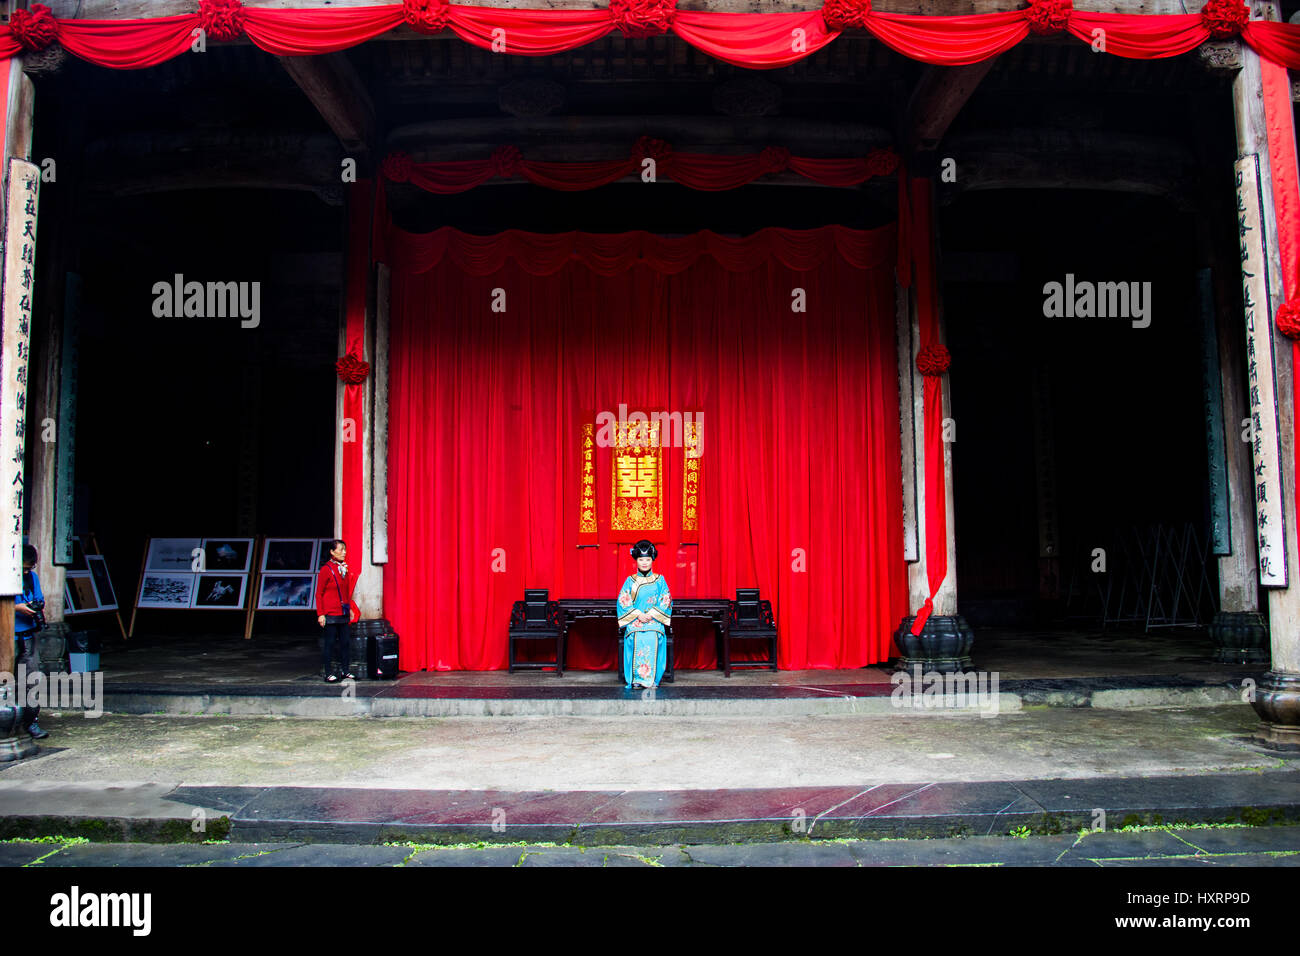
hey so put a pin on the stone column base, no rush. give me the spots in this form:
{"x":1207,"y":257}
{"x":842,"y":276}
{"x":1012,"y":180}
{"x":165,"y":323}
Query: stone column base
{"x":1240,"y":637}
{"x":52,"y":648}
{"x":15,"y":742}
{"x":1277,"y":701}
{"x":943,"y":645}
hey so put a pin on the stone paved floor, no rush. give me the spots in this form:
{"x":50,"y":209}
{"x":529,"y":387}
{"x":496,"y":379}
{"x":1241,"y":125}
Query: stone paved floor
{"x":1210,"y":847}
{"x":645,"y":753}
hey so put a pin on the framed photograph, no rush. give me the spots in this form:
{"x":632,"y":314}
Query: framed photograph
{"x":79,"y":594}
{"x":289,"y":554}
{"x":78,"y":556}
{"x":220,"y":591}
{"x":172,"y":554}
{"x":287,"y":592}
{"x":166,"y":590}
{"x":323,"y":552}
{"x":227,"y":554}
{"x":103,"y":586}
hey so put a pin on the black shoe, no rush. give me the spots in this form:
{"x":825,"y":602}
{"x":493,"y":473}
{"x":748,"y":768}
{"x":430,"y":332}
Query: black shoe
{"x":35,"y":730}
{"x":331,"y":678}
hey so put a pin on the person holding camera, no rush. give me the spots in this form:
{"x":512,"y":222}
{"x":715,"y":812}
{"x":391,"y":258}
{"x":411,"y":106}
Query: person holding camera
{"x":29,"y":618}
{"x":334,"y":611}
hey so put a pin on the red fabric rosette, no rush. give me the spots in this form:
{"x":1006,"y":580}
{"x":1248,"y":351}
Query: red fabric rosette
{"x":505,"y":161}
{"x":643,"y":18}
{"x":882,"y":162}
{"x":397,"y":167}
{"x":351,"y":370}
{"x":1225,"y":18}
{"x":222,"y":19}
{"x":34,"y":29}
{"x":774,"y":159}
{"x":845,"y":14}
{"x":426,"y":16}
{"x":1288,"y":319}
{"x":1048,"y":16}
{"x":933,"y":360}
{"x":647,"y":147}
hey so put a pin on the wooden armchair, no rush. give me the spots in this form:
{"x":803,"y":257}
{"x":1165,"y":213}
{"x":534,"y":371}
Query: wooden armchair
{"x":748,"y":619}
{"x":536,"y":619}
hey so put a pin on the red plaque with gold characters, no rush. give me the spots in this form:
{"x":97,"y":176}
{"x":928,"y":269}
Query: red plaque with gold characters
{"x":587,"y":484}
{"x":637,"y":480}
{"x":692,"y":474}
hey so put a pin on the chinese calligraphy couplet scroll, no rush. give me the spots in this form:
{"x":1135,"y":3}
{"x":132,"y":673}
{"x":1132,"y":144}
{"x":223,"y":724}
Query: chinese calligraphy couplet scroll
{"x":1265,"y":443}
{"x":16,"y":320}
{"x":587,"y":528}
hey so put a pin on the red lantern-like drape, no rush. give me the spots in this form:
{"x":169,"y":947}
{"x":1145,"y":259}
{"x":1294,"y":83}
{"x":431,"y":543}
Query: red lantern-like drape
{"x":754,"y":40}
{"x":800,"y":448}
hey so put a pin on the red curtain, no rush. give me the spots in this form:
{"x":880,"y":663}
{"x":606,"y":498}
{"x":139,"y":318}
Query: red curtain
{"x":1275,"y":84}
{"x":700,"y":171}
{"x":352,"y":491}
{"x":753,"y":40}
{"x":801,"y":440}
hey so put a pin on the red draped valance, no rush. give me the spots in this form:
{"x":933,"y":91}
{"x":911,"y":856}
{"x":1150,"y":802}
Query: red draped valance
{"x":755,"y":40}
{"x":542,"y":254}
{"x":694,"y":170}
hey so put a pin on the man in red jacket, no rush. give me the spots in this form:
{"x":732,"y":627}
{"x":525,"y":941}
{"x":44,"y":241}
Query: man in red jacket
{"x":334,"y":609}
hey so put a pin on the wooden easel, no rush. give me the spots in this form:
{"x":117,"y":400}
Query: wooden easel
{"x":254,"y":575}
{"x":254,"y":584}
{"x":92,"y":547}
{"x":135,"y":601}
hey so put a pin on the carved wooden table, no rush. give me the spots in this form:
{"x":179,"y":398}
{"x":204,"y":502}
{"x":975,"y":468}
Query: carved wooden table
{"x":720,"y":612}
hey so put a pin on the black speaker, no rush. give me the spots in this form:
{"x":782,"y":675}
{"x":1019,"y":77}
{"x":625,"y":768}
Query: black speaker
{"x":381,"y":656}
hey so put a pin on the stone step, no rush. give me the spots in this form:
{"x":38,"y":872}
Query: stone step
{"x":162,"y":813}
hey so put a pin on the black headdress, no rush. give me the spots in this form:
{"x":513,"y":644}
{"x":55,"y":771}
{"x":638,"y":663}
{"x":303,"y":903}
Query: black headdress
{"x":644,"y":547}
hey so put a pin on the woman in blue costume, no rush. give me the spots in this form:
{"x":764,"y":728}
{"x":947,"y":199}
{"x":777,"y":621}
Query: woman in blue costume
{"x":644,"y":607}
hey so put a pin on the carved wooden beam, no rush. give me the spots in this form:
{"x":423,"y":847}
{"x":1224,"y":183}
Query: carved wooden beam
{"x":140,"y":163}
{"x":134,"y":9}
{"x":1044,"y":158}
{"x":582,"y":138}
{"x":340,"y":97}
{"x":936,"y":101}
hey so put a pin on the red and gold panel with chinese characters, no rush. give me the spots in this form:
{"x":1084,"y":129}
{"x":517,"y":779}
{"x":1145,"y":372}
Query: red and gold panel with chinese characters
{"x":637,"y":481}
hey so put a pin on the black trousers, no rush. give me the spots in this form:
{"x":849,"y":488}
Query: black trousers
{"x":25,"y":650}
{"x":336,"y":634}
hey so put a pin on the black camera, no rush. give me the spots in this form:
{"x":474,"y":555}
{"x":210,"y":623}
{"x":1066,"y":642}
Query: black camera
{"x":38,"y":611}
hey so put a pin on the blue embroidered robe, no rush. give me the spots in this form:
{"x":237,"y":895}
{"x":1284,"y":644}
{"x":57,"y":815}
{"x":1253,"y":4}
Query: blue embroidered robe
{"x":645,"y":654}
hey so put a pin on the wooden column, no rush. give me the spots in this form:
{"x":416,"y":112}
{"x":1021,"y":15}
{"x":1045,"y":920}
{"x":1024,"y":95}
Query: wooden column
{"x":945,"y":600}
{"x":945,"y":641}
{"x":369,"y":590}
{"x":907,"y":414}
{"x":19,"y":111}
{"x":379,"y":444}
{"x":1278,"y":697}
